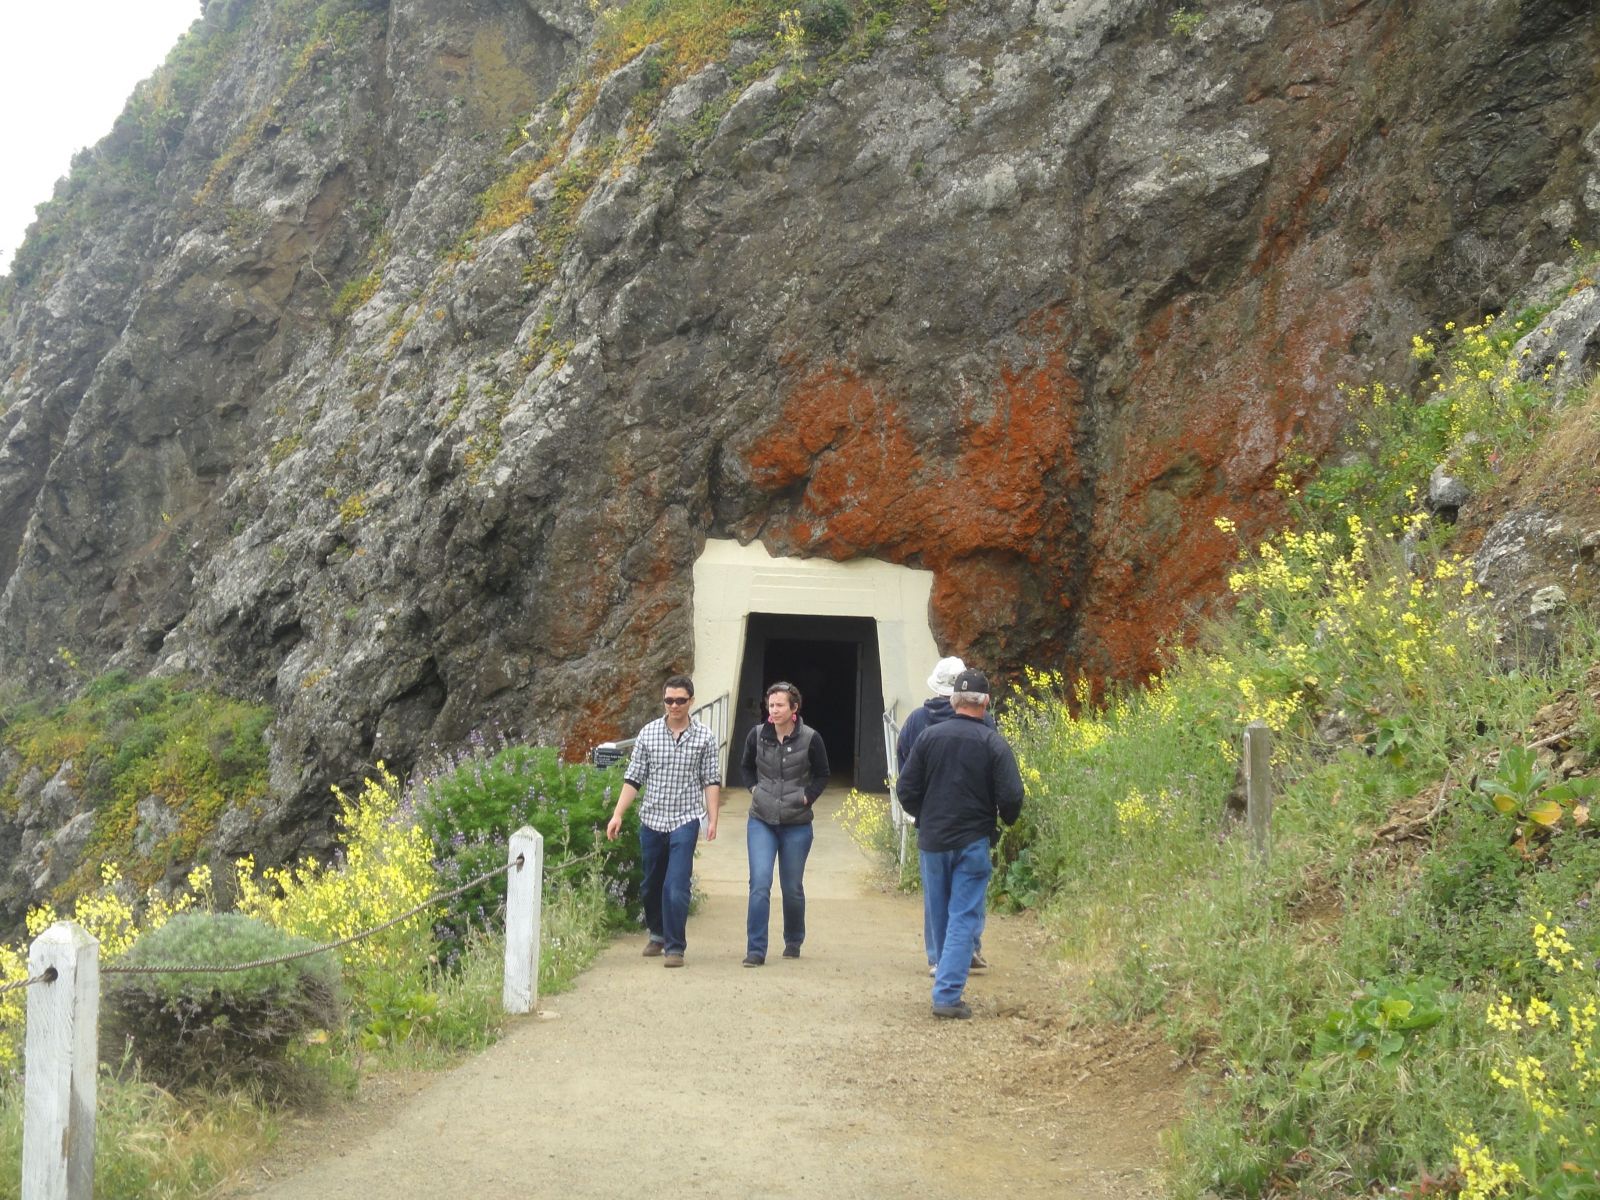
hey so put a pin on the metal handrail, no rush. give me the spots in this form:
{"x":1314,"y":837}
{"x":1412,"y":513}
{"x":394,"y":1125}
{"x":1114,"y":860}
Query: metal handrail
{"x":897,"y":815}
{"x":717,"y":713}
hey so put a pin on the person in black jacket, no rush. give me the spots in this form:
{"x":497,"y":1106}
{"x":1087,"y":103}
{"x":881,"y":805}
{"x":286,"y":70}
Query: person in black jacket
{"x":786,"y":766}
{"x":960,"y":779}
{"x":936,"y":710}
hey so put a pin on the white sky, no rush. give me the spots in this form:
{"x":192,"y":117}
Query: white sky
{"x":69,"y":66}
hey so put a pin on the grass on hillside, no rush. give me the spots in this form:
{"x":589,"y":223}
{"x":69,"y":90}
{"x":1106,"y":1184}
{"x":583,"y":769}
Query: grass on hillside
{"x":1413,"y":1012}
{"x":123,"y":741}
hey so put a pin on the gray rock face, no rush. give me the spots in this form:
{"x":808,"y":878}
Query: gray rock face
{"x":42,"y":841}
{"x":1446,"y":492}
{"x":1528,"y":561}
{"x":399,"y":378}
{"x":1563,"y":347}
{"x":1523,"y":552}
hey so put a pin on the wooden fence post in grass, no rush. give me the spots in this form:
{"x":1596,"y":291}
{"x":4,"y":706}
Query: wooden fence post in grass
{"x":1258,"y":786}
{"x":62,"y":1057}
{"x":524,"y":891}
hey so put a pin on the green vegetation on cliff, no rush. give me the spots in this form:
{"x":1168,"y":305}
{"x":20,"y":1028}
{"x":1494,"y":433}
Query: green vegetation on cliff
{"x":185,"y":755}
{"x":1404,"y":997}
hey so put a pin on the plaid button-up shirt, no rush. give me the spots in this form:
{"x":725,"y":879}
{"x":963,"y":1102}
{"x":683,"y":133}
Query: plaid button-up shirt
{"x":672,"y":773}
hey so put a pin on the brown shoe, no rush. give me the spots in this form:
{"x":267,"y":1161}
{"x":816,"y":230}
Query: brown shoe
{"x":672,"y":960}
{"x":652,"y":949}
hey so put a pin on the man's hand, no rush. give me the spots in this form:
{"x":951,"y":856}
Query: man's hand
{"x":614,"y":826}
{"x":711,"y":827}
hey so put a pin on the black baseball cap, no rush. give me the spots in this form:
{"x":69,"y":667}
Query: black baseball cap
{"x":972,"y":681}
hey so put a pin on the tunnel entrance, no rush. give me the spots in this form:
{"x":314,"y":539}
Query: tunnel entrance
{"x":834,"y":662}
{"x":853,"y":636}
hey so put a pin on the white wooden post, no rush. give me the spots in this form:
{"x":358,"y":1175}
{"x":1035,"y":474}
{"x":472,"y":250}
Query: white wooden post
{"x":60,"y":1065}
{"x":1258,"y":786}
{"x":524,"y":893}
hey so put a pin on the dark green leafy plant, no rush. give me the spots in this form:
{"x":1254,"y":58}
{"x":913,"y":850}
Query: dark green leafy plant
{"x":399,"y":1008}
{"x":1394,"y":740}
{"x":1017,"y":884}
{"x":1382,"y":1021}
{"x":472,"y":807}
{"x":203,"y":1027}
{"x":1525,"y":792}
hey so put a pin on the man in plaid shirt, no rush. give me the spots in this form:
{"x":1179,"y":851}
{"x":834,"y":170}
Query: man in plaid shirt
{"x":675,"y":764}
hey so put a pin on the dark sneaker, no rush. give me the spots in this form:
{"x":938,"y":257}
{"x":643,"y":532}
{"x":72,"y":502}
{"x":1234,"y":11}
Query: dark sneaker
{"x":755,"y":960}
{"x":791,"y":951}
{"x":959,"y":1011}
{"x":979,"y":962}
{"x":672,"y":960}
{"x":653,"y":949}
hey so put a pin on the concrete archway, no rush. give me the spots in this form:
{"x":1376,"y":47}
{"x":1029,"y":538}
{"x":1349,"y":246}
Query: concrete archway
{"x":858,"y":631}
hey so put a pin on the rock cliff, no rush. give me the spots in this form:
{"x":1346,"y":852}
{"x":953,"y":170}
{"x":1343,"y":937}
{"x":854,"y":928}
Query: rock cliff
{"x":392,"y":361}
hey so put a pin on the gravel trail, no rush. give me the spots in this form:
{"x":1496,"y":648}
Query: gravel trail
{"x":823,"y":1076}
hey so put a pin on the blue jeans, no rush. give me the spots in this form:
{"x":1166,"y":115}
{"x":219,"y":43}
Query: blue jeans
{"x":927,"y":934}
{"x":789,"y":845}
{"x":955,"y":885}
{"x":668,"y":863}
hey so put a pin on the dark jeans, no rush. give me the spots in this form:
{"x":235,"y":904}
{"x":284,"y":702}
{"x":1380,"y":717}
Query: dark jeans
{"x":668,"y":863}
{"x":789,"y":845}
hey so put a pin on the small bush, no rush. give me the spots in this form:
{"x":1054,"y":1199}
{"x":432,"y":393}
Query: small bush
{"x":207,"y":1026}
{"x":867,"y":821}
{"x":1186,"y":22}
{"x":470,"y":811}
{"x":826,"y":21}
{"x":356,"y":293}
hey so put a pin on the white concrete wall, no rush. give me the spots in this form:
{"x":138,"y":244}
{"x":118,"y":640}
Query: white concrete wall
{"x":731,"y":581}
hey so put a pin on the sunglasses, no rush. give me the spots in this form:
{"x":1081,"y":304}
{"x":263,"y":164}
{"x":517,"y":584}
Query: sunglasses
{"x":674,"y":700}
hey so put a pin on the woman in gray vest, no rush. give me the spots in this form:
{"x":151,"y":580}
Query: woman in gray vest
{"x":786,"y":767}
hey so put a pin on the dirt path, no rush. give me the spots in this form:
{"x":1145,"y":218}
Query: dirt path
{"x":823,"y":1076}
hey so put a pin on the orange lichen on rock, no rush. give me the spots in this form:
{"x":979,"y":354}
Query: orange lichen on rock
{"x":596,"y":723}
{"x":982,"y":516}
{"x":1204,"y":448}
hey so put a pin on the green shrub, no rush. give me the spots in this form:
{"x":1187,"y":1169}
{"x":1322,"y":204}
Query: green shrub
{"x":471,"y":809}
{"x":826,"y":21}
{"x":202,"y":1027}
{"x":355,"y":293}
{"x":1186,"y":22}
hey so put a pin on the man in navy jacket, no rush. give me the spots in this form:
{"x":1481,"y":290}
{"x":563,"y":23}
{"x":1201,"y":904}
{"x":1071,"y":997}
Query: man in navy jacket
{"x":936,"y":710}
{"x":961,"y":778}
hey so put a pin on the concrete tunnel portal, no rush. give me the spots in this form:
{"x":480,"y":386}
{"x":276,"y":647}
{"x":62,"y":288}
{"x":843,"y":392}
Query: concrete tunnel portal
{"x":852,"y":636}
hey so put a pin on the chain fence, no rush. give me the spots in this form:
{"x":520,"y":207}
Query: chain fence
{"x":515,"y":864}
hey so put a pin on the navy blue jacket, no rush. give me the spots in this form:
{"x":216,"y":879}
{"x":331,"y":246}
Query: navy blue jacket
{"x":935,"y":710}
{"x":961,"y":776}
